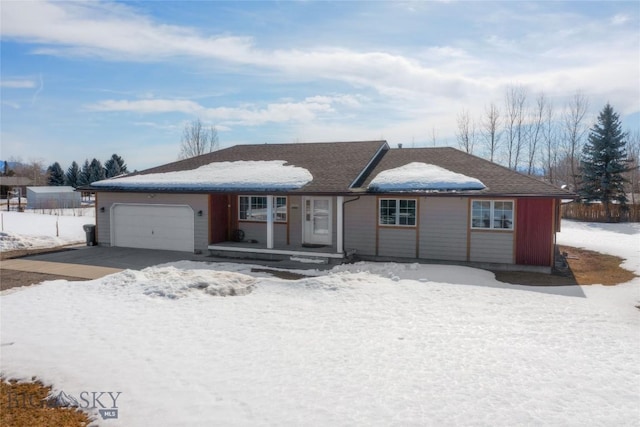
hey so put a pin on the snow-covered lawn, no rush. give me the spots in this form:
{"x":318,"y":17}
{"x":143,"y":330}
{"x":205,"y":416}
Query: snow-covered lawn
{"x":621,"y":240}
{"x":33,"y":229}
{"x":364,"y":344}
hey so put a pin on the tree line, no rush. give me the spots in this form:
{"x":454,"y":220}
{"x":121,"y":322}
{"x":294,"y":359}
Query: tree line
{"x":531,"y":135}
{"x":91,"y":171}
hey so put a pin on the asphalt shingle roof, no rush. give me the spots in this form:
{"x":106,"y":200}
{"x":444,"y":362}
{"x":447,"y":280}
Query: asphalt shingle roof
{"x":334,"y":165}
{"x":499,"y":180}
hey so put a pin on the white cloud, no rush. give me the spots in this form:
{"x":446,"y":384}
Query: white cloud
{"x":110,"y":31}
{"x":11,"y":104}
{"x":250,"y":115}
{"x":18,"y":84}
{"x":117,"y":32}
{"x":148,"y":106}
{"x":393,"y":90}
{"x":620,"y":19}
{"x":161,"y":126}
{"x":457,"y":71}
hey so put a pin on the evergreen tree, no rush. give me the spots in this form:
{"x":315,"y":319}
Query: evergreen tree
{"x":55,"y":175}
{"x":96,"y":171}
{"x":83,"y":178}
{"x":604,"y":161}
{"x":72,"y":176}
{"x":115,"y":166}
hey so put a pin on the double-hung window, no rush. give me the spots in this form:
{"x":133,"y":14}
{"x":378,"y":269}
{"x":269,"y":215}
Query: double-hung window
{"x":254,"y":208}
{"x":492,"y":214}
{"x":401,"y":212}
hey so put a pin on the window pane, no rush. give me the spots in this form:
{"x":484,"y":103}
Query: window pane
{"x":281,"y":209}
{"x":407,"y":215}
{"x":244,"y":207}
{"x":258,"y":210}
{"x":387,"y":211}
{"x":503,"y":215}
{"x":481,"y":214}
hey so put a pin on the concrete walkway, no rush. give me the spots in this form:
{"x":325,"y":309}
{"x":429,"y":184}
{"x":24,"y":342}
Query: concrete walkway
{"x":58,"y":268}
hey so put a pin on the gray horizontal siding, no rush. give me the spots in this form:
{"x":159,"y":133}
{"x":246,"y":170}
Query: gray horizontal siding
{"x":443,"y":228}
{"x":295,"y":220}
{"x":487,"y":246}
{"x":198,"y":202}
{"x":397,"y":242}
{"x":360,"y":218}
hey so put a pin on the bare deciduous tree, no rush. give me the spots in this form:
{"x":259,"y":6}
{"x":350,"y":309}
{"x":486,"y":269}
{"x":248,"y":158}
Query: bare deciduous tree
{"x":491,"y":129}
{"x":197,"y":139}
{"x":536,"y":128}
{"x":575,"y":129}
{"x":434,"y":136}
{"x":34,"y":169}
{"x":466,"y":133}
{"x":515,"y":106}
{"x":550,"y":148}
{"x":633,"y":158}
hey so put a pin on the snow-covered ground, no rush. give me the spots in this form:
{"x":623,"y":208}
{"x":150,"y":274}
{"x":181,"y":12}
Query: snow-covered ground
{"x":364,"y":344}
{"x":621,"y":240}
{"x":34,"y":229}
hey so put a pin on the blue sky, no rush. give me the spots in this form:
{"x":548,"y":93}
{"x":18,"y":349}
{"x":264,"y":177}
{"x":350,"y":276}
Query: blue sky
{"x":89,"y":79}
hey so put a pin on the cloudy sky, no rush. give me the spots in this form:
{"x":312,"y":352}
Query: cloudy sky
{"x":89,"y":79}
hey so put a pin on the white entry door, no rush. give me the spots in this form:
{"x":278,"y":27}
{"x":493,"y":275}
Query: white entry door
{"x":317,"y":220}
{"x":166,"y":227}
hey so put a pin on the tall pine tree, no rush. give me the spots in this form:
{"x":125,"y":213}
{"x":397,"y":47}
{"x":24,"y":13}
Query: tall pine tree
{"x":604,"y":161}
{"x":55,"y":175}
{"x":83,"y":179}
{"x":115,"y":166}
{"x":96,"y":171}
{"x":73,"y":175}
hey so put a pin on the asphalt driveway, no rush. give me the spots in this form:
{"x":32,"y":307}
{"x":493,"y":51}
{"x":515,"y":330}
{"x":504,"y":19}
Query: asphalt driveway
{"x":113,"y":257}
{"x":87,"y":263}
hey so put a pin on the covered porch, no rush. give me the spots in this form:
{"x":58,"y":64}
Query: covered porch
{"x":308,"y":228}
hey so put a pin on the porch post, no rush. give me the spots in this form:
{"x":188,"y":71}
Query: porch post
{"x":269,"y":222}
{"x":339,"y":225}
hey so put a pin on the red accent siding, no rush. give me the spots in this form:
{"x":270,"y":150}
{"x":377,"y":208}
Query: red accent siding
{"x":534,"y":231}
{"x":219,"y":219}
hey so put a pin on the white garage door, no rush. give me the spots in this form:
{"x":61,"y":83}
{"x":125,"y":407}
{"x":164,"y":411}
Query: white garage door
{"x":167,"y":227}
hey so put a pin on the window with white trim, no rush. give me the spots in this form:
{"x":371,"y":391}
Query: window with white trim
{"x":401,"y":212}
{"x":254,"y":208}
{"x":492,"y":214}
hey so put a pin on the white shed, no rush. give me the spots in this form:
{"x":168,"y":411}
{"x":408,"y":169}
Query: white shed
{"x":53,"y":197}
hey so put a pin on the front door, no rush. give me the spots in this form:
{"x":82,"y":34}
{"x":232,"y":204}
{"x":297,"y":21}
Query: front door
{"x":317,"y":220}
{"x":219,"y":218}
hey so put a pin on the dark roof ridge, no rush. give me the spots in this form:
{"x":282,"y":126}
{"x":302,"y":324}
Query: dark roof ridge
{"x":307,"y":143}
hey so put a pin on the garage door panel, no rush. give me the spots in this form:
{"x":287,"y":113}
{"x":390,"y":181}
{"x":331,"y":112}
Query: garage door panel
{"x":168,"y":227}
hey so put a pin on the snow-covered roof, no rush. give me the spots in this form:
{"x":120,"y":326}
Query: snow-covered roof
{"x":238,"y":175}
{"x":52,"y":189}
{"x":423,"y":176}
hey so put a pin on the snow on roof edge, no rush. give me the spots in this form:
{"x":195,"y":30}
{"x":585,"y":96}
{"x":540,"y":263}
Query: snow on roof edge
{"x":239,"y":175}
{"x":418,"y":176}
